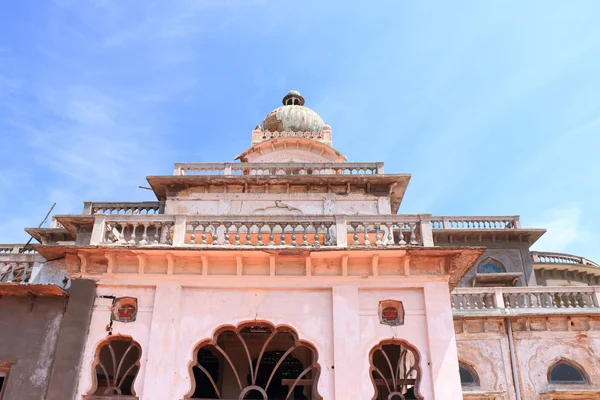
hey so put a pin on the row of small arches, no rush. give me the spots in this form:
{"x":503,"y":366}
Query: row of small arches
{"x":562,"y":372}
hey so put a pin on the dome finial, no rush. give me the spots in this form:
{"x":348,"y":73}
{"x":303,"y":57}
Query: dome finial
{"x":293,"y":98}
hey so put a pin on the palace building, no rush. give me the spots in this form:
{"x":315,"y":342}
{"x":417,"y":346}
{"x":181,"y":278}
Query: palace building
{"x":290,"y":274}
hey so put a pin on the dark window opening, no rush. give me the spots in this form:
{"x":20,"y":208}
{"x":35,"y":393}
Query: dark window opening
{"x":491,"y":267}
{"x":257,"y":361}
{"x":117,"y":363}
{"x":395,"y":371}
{"x":468,"y":376}
{"x":566,"y":373}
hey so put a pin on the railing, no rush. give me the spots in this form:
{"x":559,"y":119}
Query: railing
{"x":16,"y":249}
{"x":491,"y":223}
{"x":16,"y":262}
{"x":15,"y":272}
{"x":525,"y":300}
{"x":143,"y":207}
{"x":307,"y":135}
{"x":278,"y":168}
{"x":539,"y":257}
{"x":265,"y":230}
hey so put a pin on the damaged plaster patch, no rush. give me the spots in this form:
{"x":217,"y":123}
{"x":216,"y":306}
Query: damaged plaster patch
{"x":39,"y":377}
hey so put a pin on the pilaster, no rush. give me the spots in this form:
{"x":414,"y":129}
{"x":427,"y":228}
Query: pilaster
{"x":346,"y":342}
{"x":162,"y":345}
{"x":442,"y":342}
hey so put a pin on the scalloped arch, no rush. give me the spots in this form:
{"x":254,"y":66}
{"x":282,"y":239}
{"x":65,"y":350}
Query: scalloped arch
{"x":253,"y":360}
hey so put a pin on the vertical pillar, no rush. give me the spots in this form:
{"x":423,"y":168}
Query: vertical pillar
{"x":162,"y":365}
{"x":426,"y":230}
{"x":442,"y":342}
{"x":179,"y":230}
{"x":347,"y":356}
{"x":341,"y":231}
{"x":98,"y":230}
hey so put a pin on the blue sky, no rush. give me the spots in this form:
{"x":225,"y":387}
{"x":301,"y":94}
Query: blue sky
{"x":492,"y":106}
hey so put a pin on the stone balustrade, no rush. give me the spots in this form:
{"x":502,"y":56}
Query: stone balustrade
{"x":16,"y":263}
{"x":278,"y":168}
{"x":479,"y":223}
{"x":539,"y":257}
{"x":142,"y":207}
{"x":15,"y":249}
{"x":525,"y":300}
{"x":264,"y":230}
{"x":15,"y":272}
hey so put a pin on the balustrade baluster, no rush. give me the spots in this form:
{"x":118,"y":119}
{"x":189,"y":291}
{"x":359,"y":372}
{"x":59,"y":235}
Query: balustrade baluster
{"x":144,"y":240}
{"x":132,"y":238}
{"x":378,"y":234}
{"x":355,"y":236}
{"x":259,"y":236}
{"x":226,"y":232}
{"x":328,"y":226}
{"x":248,"y":226}
{"x":205,"y":226}
{"x":294,"y":225}
{"x":304,"y":233}
{"x":401,"y":240}
{"x":506,"y":298}
{"x":366,"y":240}
{"x":567,"y":300}
{"x":237,"y":226}
{"x":316,"y":240}
{"x":271,"y":226}
{"x":194,"y":225}
{"x":214,"y":233}
{"x":390,"y":234}
{"x":413,"y":229}
{"x":538,"y":300}
{"x":121,"y":237}
{"x":283,"y":242}
{"x":156,"y":230}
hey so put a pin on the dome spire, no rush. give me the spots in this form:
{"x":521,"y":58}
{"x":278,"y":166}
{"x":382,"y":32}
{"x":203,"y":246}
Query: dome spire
{"x":293,"y":98}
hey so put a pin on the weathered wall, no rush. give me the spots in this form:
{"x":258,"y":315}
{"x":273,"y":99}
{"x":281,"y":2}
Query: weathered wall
{"x":29,"y":328}
{"x":195,"y":201}
{"x":71,"y":341}
{"x":539,"y":343}
{"x":339,"y":318}
{"x":514,"y":256}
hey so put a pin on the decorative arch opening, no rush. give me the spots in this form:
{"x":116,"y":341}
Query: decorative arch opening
{"x":468,"y":375}
{"x":490,"y":266}
{"x":565,"y":372}
{"x":116,"y":365}
{"x":395,"y":371}
{"x":255,"y":360}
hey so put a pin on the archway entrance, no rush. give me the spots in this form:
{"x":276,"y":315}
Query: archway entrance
{"x":395,"y":371}
{"x":255,"y":361}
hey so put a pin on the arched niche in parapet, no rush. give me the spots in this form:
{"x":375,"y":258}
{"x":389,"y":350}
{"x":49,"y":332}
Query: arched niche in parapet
{"x":566,"y":372}
{"x":490,"y":266}
{"x":468,"y":376}
{"x":296,"y":149}
{"x":254,"y":360}
{"x":395,"y":370}
{"x":115,"y":368}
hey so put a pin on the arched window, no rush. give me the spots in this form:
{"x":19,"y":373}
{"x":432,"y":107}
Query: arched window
{"x":468,"y":375}
{"x":564,"y":372}
{"x":490,"y":266}
{"x":116,"y":364}
{"x":255,"y":361}
{"x":395,"y":371}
